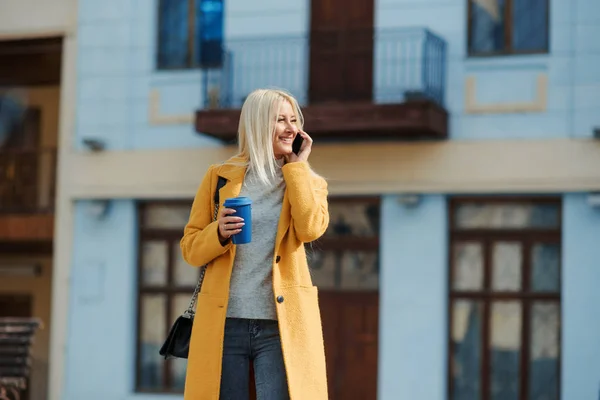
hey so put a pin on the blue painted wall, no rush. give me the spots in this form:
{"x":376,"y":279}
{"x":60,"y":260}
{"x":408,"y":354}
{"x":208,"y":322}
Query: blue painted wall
{"x":413,"y":309}
{"x":116,"y":72}
{"x":116,"y":69}
{"x":100,"y":361}
{"x":580,"y":299}
{"x":571,"y":66}
{"x":413,"y":300}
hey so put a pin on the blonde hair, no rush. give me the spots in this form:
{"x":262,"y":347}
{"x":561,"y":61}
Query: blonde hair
{"x":256,"y":130}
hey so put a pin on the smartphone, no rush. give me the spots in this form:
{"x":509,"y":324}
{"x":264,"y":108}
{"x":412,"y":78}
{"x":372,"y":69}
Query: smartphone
{"x":297,"y":144}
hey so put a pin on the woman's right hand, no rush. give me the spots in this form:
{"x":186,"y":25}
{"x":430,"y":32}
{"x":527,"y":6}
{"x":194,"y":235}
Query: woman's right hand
{"x":228,"y":225}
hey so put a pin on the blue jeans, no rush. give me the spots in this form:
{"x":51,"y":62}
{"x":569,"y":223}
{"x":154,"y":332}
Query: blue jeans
{"x":258,"y":341}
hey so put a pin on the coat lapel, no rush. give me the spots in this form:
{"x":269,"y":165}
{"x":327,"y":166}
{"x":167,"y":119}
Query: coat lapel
{"x":235,"y":178}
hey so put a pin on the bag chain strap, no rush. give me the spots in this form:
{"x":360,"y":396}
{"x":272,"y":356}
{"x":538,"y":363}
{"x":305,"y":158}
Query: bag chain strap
{"x":190,"y":313}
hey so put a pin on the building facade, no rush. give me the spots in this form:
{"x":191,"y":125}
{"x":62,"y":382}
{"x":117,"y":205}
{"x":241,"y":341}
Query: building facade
{"x":35,"y":85}
{"x":458,"y":141}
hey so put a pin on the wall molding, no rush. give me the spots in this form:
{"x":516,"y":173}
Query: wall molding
{"x":156,"y":117}
{"x":511,"y":166}
{"x":538,"y":104}
{"x":63,"y":214}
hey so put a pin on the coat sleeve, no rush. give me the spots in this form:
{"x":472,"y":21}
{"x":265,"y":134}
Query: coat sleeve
{"x":200,"y":243}
{"x":307,"y":194}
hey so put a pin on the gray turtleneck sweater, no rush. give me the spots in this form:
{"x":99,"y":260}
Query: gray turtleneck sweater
{"x":251,"y":288}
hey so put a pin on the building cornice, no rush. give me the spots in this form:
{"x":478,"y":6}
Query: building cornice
{"x":511,"y":166}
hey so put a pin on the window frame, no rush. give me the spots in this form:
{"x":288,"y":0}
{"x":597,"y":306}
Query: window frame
{"x":170,"y":290}
{"x":192,"y":40}
{"x":508,"y":49}
{"x":341,"y":244}
{"x":487,"y":295}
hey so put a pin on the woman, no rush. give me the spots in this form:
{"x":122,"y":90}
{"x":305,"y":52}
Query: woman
{"x":257,"y":302}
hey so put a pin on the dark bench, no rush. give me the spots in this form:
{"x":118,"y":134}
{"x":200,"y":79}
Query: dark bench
{"x":16,"y":338}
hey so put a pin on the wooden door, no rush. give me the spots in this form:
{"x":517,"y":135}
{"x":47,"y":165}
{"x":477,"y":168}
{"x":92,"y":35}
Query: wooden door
{"x":341,"y":50}
{"x":350,"y":331}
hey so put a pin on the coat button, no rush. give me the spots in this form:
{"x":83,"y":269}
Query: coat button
{"x":280,"y":299}
{"x":277,"y":259}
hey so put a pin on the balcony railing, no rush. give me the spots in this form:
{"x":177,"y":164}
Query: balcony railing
{"x":16,"y":341}
{"x":27,"y":180}
{"x":407,"y":63}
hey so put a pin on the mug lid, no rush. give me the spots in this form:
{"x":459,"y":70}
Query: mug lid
{"x":237,"y":202}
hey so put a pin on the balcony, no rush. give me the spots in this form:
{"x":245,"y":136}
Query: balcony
{"x":358,"y":86}
{"x":27,"y":191}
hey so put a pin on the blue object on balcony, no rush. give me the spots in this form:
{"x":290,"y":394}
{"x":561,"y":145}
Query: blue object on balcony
{"x":409,"y":64}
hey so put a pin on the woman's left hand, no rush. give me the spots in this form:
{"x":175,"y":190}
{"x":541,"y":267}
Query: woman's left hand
{"x":305,"y":149}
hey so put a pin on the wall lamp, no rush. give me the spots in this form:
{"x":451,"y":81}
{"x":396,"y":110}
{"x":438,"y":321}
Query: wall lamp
{"x":409,"y":199}
{"x":593,"y":199}
{"x":94,"y":144}
{"x":98,"y":208}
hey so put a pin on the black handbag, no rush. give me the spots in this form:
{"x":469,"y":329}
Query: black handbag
{"x":177,"y":344}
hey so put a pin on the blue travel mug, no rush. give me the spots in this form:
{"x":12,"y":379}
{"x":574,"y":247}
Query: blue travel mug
{"x":243,"y":209}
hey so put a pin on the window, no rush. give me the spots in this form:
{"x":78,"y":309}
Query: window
{"x":504,"y":333}
{"x":507,"y":27}
{"x":27,"y":170}
{"x":190,"y":34}
{"x":346,"y":258}
{"x":344,"y":264}
{"x":166,"y":283}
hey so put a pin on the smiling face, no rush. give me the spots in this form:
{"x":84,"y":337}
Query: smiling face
{"x":286,"y":130}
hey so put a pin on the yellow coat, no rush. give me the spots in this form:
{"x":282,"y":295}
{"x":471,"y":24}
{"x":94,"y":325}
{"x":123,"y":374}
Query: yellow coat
{"x":304,"y":218}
